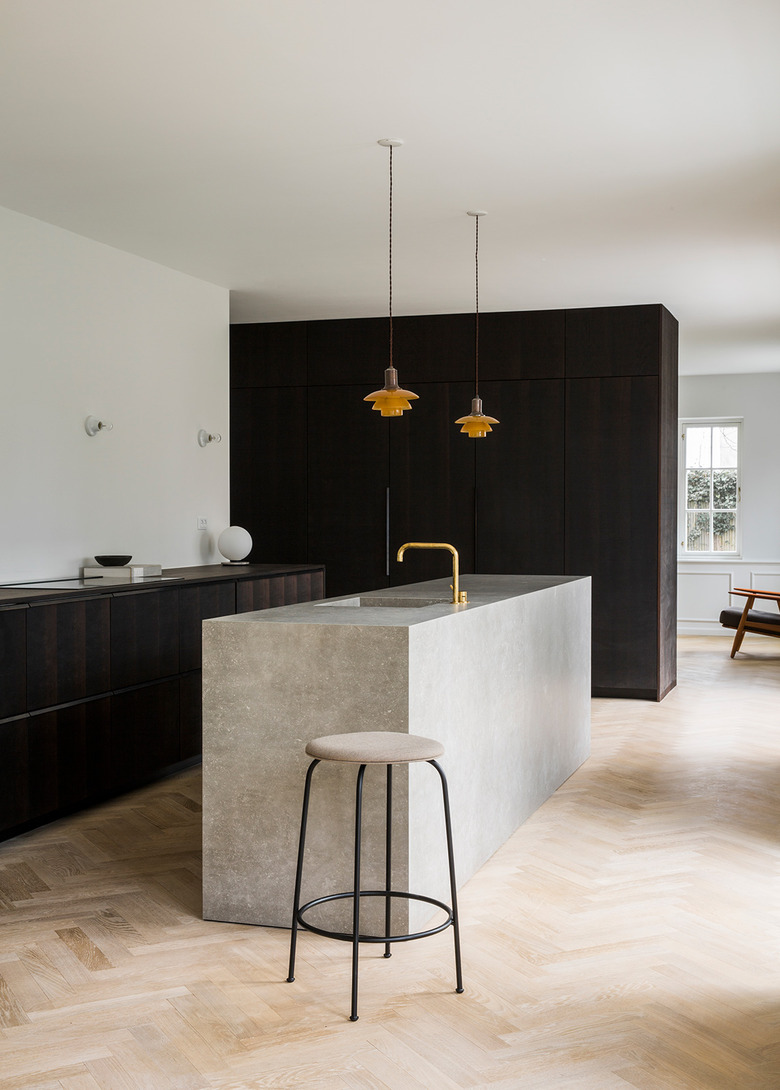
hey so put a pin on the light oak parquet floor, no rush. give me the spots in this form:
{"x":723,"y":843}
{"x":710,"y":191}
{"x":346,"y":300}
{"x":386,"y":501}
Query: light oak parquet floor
{"x":625,"y":937}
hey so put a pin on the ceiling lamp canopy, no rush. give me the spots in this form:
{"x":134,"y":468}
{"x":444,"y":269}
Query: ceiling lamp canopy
{"x":476,"y":425}
{"x":391,"y":400}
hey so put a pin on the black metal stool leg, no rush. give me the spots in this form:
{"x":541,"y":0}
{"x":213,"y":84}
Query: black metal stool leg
{"x":451,"y":860}
{"x":353,"y":934}
{"x":388,"y":856}
{"x":299,"y":871}
{"x":353,"y":1017}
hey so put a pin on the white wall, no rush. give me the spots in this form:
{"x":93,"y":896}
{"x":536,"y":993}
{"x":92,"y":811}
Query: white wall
{"x":87,"y":329}
{"x":703,"y":585}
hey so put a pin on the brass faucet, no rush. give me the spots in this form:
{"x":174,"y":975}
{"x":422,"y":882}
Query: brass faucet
{"x":458,"y":596}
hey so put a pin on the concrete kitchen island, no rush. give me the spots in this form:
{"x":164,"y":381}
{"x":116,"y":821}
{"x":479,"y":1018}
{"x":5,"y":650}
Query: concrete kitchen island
{"x":503,"y":682}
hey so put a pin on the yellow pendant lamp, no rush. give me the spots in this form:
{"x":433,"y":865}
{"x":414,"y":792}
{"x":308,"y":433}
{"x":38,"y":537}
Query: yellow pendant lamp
{"x":476,"y":425}
{"x":391,"y":400}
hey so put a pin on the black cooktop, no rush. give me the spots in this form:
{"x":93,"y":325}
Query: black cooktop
{"x":94,"y":582}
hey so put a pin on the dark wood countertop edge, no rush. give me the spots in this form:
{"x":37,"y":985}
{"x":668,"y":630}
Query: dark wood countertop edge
{"x":208,"y":573}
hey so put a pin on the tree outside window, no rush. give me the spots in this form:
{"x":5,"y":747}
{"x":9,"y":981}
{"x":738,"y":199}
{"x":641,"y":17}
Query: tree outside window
{"x":710,"y":486}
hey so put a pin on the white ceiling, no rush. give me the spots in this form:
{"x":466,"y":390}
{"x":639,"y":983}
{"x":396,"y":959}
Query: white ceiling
{"x":626,"y":152}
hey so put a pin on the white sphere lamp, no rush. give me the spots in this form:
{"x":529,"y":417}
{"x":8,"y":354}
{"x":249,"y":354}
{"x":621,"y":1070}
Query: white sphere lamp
{"x":235,"y":543}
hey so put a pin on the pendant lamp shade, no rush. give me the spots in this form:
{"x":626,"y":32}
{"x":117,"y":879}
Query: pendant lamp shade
{"x":476,"y":425}
{"x":391,"y":400}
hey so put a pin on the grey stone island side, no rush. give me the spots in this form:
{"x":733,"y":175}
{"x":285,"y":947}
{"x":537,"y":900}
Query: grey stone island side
{"x":503,"y":682}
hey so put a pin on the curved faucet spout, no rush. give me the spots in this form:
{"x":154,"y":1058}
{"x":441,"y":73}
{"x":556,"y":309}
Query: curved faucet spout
{"x":458,"y":596}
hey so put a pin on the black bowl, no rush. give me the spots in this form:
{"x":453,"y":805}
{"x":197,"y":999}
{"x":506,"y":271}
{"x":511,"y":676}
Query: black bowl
{"x":113,"y":561}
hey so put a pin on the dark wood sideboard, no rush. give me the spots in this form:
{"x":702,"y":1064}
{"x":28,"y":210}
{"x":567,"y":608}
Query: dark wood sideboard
{"x":100,"y":689}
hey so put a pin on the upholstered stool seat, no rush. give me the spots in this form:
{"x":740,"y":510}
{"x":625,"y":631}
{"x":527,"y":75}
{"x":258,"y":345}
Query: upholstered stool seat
{"x":375,"y":747}
{"x":364,"y":748}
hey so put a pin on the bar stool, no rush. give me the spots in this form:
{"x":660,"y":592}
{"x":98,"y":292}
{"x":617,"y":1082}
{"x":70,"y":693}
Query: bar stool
{"x":364,"y":748}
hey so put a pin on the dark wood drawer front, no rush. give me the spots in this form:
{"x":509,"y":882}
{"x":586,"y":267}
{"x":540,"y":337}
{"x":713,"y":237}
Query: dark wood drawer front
{"x":195,"y":605}
{"x":68,"y":651}
{"x":68,"y":757}
{"x":190,"y":715}
{"x":13,"y":772}
{"x":54,"y":762}
{"x":144,"y":637}
{"x":145,"y":732}
{"x":279,"y":590}
{"x":13,"y":676}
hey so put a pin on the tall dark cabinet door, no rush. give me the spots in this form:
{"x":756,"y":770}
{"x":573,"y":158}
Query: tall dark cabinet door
{"x":520,"y":475}
{"x":268,"y":471}
{"x":432,"y":483}
{"x":612,"y":524}
{"x":347,"y":470}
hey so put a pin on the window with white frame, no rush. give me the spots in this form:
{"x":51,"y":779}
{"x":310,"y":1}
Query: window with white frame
{"x":710,"y":487}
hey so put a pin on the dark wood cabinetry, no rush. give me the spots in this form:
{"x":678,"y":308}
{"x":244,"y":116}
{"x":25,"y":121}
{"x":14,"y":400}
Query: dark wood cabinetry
{"x":432,"y":483}
{"x":268,"y":355}
{"x":102,"y":692}
{"x":144,"y":732}
{"x":14,"y":776}
{"x":279,"y":590}
{"x":520,"y":480}
{"x":190,"y":715}
{"x":621,"y":491}
{"x":13,"y":661}
{"x":68,"y":756}
{"x":348,"y":459}
{"x":266,"y":468}
{"x":612,"y":527}
{"x":579,"y":477}
{"x":196,"y":604}
{"x":615,"y":341}
{"x":68,"y":651}
{"x":520,"y":345}
{"x":144,"y":636}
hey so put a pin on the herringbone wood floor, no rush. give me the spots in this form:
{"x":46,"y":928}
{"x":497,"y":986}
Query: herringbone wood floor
{"x":625,"y":937}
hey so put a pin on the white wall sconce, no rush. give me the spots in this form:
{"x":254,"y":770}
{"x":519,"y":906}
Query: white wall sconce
{"x":206,"y":437}
{"x":92,"y":425}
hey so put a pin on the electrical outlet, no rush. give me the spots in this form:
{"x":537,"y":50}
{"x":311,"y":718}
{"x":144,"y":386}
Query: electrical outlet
{"x":203,"y":523}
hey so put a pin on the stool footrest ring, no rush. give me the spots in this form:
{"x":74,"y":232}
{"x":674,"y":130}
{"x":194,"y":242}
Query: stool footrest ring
{"x":374,"y":938}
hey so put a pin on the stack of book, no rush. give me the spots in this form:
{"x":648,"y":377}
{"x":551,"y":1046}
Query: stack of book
{"x":128,"y":572}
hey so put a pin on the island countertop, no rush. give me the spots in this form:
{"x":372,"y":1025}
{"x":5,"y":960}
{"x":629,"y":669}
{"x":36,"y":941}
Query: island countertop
{"x":503,"y":682}
{"x":404,"y":606}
